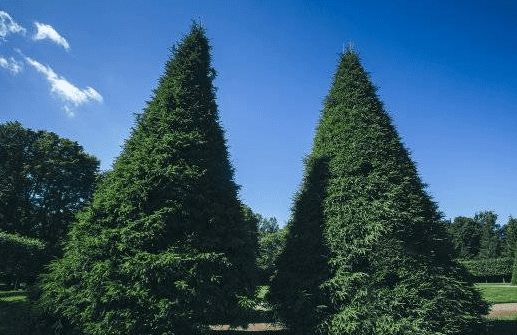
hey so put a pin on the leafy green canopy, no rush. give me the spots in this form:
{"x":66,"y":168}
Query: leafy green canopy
{"x":270,"y":241}
{"x":366,"y":251}
{"x":164,"y":247}
{"x":481,"y":238}
{"x":44,"y":181}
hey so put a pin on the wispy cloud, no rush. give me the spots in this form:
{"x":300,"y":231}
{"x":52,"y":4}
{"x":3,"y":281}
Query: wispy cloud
{"x":11,"y":65}
{"x":46,"y":31}
{"x":71,"y":96}
{"x":8,"y":26}
{"x":63,"y":89}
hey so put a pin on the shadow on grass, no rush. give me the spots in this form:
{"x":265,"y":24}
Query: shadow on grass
{"x":264,"y":332}
{"x":15,"y":317}
{"x":502,"y":327}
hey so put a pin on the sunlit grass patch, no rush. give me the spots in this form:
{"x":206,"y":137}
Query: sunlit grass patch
{"x":498,"y":293}
{"x":14,"y":298}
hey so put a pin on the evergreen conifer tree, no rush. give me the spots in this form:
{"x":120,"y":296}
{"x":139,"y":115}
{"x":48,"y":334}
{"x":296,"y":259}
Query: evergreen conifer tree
{"x":164,"y":247}
{"x":367,"y":252}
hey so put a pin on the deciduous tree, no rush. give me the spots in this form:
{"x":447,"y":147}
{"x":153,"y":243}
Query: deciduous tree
{"x":466,"y":235}
{"x":490,"y":244}
{"x":44,"y":181}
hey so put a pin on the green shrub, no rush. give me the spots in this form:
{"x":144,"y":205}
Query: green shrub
{"x":490,"y":269}
{"x":22,"y":258}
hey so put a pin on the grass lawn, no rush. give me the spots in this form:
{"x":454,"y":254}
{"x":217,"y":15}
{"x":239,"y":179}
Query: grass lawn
{"x":498,"y":293}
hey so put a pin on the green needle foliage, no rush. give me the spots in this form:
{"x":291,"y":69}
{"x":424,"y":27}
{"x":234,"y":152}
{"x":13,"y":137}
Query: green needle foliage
{"x":164,"y":247}
{"x":367,"y":252}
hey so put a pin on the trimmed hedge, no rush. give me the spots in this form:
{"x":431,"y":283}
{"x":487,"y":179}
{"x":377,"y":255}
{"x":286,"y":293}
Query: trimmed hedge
{"x":489,"y":269}
{"x":22,"y":258}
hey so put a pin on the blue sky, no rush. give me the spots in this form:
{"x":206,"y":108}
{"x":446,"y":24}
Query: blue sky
{"x":446,"y":71}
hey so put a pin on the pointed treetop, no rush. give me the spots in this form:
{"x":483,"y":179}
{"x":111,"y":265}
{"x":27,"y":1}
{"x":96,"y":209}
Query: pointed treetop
{"x":389,"y":267}
{"x":350,"y":48}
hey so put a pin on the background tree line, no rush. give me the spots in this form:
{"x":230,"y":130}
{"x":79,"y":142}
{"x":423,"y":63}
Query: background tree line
{"x":484,"y":247}
{"x":45,"y":180}
{"x":480,"y":237}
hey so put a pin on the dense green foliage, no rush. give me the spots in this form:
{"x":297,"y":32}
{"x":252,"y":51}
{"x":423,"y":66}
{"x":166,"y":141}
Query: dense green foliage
{"x":509,"y":235}
{"x":164,"y":247}
{"x":252,"y":223}
{"x":466,"y":235}
{"x":44,"y":181}
{"x":514,"y":269}
{"x":302,"y":265}
{"x":494,"y":270}
{"x":267,"y":240}
{"x":480,"y":237}
{"x":486,"y":249}
{"x":367,"y":252}
{"x":270,"y":244}
{"x":490,"y":244}
{"x":267,"y":225}
{"x":22,"y":258}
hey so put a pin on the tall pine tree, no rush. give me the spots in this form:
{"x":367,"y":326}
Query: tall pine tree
{"x":164,"y":247}
{"x":366,"y":251}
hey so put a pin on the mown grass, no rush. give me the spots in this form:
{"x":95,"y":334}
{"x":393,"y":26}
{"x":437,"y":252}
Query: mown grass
{"x":498,"y":293}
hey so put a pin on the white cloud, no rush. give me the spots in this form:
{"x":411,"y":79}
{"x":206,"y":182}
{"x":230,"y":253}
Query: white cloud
{"x":47,"y":31}
{"x":70,"y":94}
{"x":8,"y":26}
{"x":11,"y":65}
{"x":69,"y":111}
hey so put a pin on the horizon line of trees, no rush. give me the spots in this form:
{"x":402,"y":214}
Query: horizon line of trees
{"x":480,"y":237}
{"x":485,"y":248}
